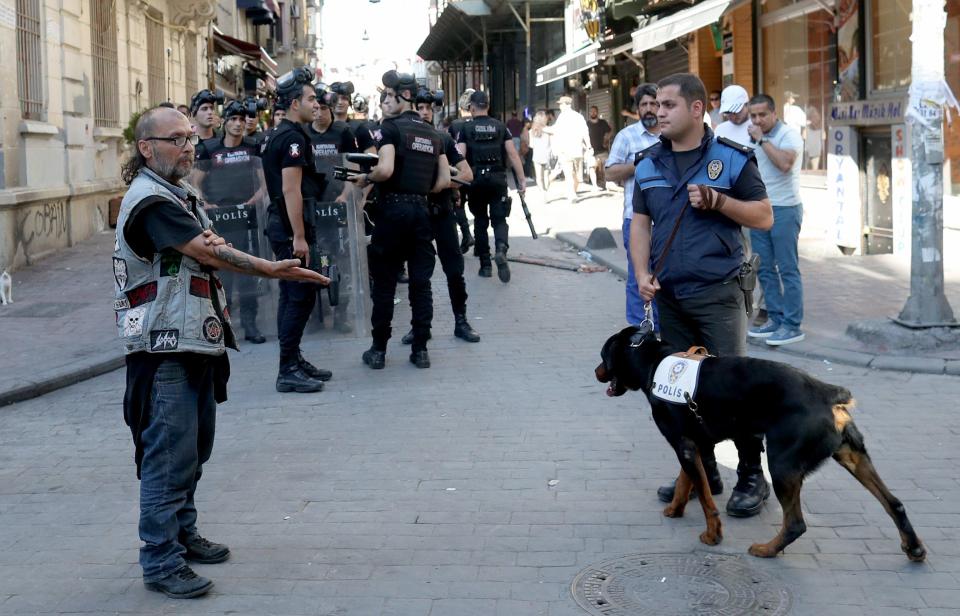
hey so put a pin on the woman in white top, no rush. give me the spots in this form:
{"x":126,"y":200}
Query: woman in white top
{"x":540,"y":144}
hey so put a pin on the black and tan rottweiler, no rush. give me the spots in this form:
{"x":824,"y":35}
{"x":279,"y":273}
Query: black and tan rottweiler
{"x":805,"y":421}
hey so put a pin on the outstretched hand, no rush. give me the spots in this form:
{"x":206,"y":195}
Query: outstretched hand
{"x":289,"y":269}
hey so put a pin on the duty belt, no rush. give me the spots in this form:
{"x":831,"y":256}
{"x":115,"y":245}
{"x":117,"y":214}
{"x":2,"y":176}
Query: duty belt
{"x":404,"y":198}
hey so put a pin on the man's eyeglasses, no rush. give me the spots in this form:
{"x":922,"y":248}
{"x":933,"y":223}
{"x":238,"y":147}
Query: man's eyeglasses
{"x":714,"y":99}
{"x":177,"y":141}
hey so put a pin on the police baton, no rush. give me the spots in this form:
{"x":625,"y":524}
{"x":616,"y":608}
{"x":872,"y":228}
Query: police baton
{"x":523,"y":204}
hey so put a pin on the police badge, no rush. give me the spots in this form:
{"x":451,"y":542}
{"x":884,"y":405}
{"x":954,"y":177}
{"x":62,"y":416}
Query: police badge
{"x":714,"y":168}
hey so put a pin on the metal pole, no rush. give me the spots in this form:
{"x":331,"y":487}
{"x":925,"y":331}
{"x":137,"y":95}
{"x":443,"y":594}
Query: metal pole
{"x":483,"y":30}
{"x":927,"y":305}
{"x":529,"y":65}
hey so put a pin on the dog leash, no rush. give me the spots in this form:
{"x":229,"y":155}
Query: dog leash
{"x":648,"y":306}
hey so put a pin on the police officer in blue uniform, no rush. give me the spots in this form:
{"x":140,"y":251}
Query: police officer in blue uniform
{"x":411,"y":165}
{"x":713,"y":187}
{"x":292,"y":181}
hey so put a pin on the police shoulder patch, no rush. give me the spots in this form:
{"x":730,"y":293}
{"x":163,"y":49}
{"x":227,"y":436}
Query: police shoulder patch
{"x":730,"y":143}
{"x":294,"y":150}
{"x":714,"y":169}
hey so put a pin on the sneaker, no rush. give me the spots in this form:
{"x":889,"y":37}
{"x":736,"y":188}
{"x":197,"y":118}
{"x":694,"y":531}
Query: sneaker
{"x":764,"y":331}
{"x":182,"y":583}
{"x":200,"y":550}
{"x":785,"y":335}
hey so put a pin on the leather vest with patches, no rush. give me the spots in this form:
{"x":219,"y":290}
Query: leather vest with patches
{"x":170,"y":304}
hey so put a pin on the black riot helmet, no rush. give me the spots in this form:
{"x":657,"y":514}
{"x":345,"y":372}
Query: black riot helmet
{"x":205,"y":96}
{"x":399,"y":82}
{"x":290,"y":85}
{"x":233,"y":108}
{"x":429,"y":97}
{"x":325,"y":96}
{"x":360,"y":104}
{"x":253,"y":105}
{"x":343,"y":88}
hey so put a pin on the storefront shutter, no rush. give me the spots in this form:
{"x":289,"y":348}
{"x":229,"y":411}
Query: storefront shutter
{"x":659,"y":64}
{"x":604,"y":102}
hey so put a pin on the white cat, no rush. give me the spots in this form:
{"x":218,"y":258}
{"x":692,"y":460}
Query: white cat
{"x":6,"y":288}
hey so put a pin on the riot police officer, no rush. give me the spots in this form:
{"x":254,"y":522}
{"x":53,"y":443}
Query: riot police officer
{"x":487,"y":145}
{"x":411,"y":166}
{"x":444,"y":224}
{"x":292,"y":181}
{"x":330,"y":139}
{"x":203,"y":108}
{"x":341,"y":107}
{"x":227,"y":177}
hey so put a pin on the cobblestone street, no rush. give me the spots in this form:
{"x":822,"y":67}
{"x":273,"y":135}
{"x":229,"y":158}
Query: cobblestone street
{"x":481,"y":486}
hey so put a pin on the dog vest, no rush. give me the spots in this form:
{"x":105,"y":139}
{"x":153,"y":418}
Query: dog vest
{"x":675,"y":379}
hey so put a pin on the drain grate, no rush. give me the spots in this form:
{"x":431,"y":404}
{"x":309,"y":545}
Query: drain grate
{"x":679,"y":585}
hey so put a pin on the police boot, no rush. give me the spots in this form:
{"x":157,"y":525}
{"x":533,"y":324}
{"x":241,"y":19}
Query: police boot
{"x":312,"y":371}
{"x":252,"y":334}
{"x":420,"y":358}
{"x":503,"y":268}
{"x":665,"y":492}
{"x":408,"y":338}
{"x":293,"y":378}
{"x":463,"y":330}
{"x":467,"y":241}
{"x":751,"y":490}
{"x":486,"y":268}
{"x":375,"y":358}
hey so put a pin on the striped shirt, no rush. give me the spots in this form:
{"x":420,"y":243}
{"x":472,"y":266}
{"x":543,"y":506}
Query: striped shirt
{"x":629,"y":141}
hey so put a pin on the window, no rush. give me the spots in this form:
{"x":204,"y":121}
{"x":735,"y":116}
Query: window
{"x":799,"y":68}
{"x":190,"y":64}
{"x":890,"y":45}
{"x":156,"y":70}
{"x":29,"y":59}
{"x":103,"y":36}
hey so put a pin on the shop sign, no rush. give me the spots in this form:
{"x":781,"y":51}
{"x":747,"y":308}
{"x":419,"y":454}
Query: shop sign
{"x":902,"y":189}
{"x":868,"y":113}
{"x":843,"y":186}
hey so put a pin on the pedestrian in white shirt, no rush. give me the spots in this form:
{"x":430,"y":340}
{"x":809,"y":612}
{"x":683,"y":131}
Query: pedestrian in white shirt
{"x":733,"y":106}
{"x":569,"y":138}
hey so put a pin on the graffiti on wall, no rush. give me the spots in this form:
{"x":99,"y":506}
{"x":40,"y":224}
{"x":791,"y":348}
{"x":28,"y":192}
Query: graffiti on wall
{"x":41,"y":225}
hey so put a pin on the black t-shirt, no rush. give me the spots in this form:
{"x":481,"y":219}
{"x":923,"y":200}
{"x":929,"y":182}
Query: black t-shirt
{"x":288,"y":146}
{"x":682,"y":161}
{"x":157,"y":225}
{"x":366,"y":135}
{"x":229,"y":172}
{"x":748,"y":187}
{"x":453,"y":158}
{"x":328,"y":150}
{"x":597,"y":131}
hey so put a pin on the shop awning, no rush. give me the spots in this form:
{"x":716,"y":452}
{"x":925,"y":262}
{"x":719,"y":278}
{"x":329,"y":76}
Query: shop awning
{"x":676,"y":25}
{"x":569,"y":64}
{"x":229,"y":46}
{"x":451,"y":32}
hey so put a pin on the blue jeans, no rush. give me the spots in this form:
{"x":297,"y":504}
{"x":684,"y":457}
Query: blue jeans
{"x":177,"y":441}
{"x":634,"y":300}
{"x":780,"y":266}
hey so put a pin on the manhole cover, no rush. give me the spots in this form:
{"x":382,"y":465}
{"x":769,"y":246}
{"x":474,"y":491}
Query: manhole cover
{"x":679,"y":585}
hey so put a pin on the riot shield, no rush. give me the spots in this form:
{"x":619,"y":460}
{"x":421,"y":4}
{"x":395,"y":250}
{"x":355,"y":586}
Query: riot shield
{"x":338,"y":250}
{"x":235,"y":199}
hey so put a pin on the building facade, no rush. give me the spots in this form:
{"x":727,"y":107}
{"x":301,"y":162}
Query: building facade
{"x":83,"y":68}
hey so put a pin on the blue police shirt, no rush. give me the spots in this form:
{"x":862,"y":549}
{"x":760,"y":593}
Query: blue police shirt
{"x":707,"y":249}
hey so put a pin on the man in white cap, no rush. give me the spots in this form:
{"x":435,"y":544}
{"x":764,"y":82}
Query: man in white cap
{"x":733,"y":107}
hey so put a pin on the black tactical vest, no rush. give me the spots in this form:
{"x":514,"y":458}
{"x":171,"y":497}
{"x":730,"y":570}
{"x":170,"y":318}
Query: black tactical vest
{"x":415,"y":165}
{"x":484,"y":137}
